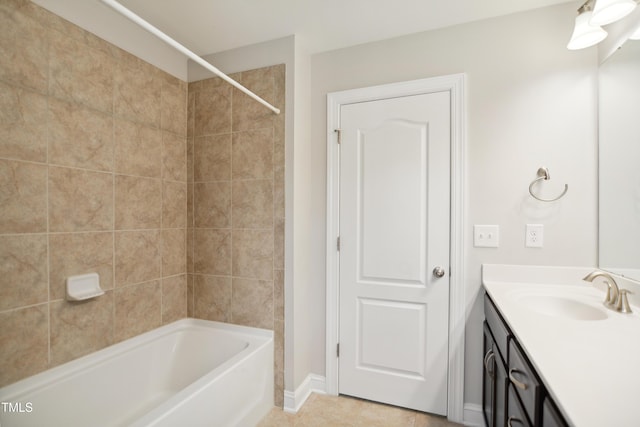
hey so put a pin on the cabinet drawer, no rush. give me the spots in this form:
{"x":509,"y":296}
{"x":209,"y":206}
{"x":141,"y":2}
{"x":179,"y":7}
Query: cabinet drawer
{"x":515,"y":412}
{"x":497,"y":326}
{"x":551,"y":417}
{"x":525,"y":383}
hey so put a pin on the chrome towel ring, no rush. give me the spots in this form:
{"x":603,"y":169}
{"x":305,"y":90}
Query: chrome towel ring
{"x":543,"y":174}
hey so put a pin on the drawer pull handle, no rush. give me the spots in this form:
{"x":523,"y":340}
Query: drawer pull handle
{"x":512,"y":419}
{"x":487,"y":359}
{"x":515,"y":382}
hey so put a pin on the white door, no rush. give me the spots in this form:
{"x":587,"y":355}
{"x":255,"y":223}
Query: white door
{"x":394,"y":231}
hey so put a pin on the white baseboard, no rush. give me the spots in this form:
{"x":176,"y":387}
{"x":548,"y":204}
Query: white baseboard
{"x":473,"y":415}
{"x":293,"y":400}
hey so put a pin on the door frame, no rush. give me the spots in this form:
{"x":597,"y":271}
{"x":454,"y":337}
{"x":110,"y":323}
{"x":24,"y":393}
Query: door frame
{"x":455,"y":84}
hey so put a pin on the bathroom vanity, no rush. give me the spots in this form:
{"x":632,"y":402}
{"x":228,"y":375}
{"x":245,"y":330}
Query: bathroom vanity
{"x":553,"y":354}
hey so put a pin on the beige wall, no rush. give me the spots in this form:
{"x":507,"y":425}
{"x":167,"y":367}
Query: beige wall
{"x":236,"y":205}
{"x":530,"y":103}
{"x":93,"y":178}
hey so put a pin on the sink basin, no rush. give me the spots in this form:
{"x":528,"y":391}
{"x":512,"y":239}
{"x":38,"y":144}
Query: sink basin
{"x":573,"y":303}
{"x":558,"y":306}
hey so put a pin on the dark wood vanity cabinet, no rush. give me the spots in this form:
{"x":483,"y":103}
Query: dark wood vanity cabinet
{"x":513,"y":394}
{"x":494,"y":378}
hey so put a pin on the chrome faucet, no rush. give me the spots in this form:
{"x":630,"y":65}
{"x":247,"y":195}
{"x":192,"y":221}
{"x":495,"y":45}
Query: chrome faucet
{"x":611,"y":299}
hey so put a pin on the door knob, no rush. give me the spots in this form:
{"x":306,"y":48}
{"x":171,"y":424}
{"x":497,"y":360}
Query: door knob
{"x":438,"y":271}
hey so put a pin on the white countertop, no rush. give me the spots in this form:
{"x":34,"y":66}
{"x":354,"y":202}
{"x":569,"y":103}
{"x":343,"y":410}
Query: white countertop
{"x":591,"y":368}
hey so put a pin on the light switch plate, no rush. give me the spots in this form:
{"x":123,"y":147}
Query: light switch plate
{"x":534,"y":236}
{"x":486,"y":236}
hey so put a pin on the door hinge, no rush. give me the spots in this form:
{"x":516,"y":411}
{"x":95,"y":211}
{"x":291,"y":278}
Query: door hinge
{"x":338,"y":243}
{"x":339,"y":132}
{"x":338,"y":350}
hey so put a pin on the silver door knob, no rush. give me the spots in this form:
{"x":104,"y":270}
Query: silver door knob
{"x":438,"y":271}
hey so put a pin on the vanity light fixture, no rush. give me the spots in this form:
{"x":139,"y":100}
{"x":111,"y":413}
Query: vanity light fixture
{"x":608,"y":11}
{"x":584,"y":33}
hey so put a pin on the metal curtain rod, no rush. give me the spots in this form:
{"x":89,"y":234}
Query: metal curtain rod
{"x":171,"y":42}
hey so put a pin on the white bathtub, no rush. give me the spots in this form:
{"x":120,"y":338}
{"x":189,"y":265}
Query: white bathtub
{"x":188,"y":373}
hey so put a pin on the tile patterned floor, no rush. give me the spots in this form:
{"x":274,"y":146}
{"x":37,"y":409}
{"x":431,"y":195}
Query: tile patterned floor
{"x":342,"y":411}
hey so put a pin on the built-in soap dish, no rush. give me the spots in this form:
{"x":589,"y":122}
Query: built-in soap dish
{"x":83,"y":287}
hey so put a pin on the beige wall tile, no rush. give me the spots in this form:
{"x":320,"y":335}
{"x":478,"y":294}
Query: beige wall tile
{"x":252,"y":154}
{"x":189,"y":159}
{"x":278,"y":294}
{"x":174,"y":157}
{"x":23,"y":197}
{"x":247,"y":113}
{"x":23,"y":124}
{"x":212,"y":111}
{"x":79,"y":253}
{"x":252,"y":204}
{"x":212,"y":252}
{"x":80,"y":73}
{"x":212,"y":158}
{"x":80,"y":137}
{"x":80,"y":200}
{"x":279,"y":169}
{"x":252,"y":303}
{"x":173,"y":114}
{"x":174,"y":298}
{"x":23,"y":271}
{"x":138,"y":256}
{"x":137,"y":92}
{"x":138,"y":202}
{"x":212,"y":298}
{"x":278,"y":193}
{"x":212,"y":204}
{"x":174,"y":204}
{"x":174,"y":251}
{"x":24,"y":46}
{"x":253,"y":254}
{"x":24,"y":343}
{"x":58,"y":100}
{"x":138,"y":149}
{"x":279,"y":83}
{"x":61,"y":25}
{"x":190,"y":299}
{"x":190,"y":234}
{"x":191,"y":113}
{"x":137,"y":309}
{"x":79,"y":328}
{"x":278,"y":361}
{"x":190,"y":204}
{"x":278,"y":243}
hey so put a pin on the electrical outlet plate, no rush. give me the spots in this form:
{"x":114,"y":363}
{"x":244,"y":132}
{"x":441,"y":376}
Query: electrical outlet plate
{"x":486,"y":236}
{"x":534,"y":236}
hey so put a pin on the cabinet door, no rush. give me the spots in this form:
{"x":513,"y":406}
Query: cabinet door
{"x":488,"y":378}
{"x":500,"y":394}
{"x":516,"y":416}
{"x":551,"y":416}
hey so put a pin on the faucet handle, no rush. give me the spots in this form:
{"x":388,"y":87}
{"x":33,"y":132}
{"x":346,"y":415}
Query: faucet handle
{"x":622,"y":305}
{"x":613,"y":296}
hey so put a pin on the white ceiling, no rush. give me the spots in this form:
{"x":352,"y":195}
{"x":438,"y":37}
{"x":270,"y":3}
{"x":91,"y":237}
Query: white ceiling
{"x":212,"y":26}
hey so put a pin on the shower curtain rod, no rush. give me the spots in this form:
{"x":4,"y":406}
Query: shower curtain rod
{"x":171,"y":42}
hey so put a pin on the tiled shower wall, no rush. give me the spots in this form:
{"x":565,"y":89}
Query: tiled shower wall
{"x":236,"y":205}
{"x":93,"y":178}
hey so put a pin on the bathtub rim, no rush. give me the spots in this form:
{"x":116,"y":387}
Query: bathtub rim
{"x":256,"y":338}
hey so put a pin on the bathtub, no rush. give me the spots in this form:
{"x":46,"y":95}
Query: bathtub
{"x":187,"y":373}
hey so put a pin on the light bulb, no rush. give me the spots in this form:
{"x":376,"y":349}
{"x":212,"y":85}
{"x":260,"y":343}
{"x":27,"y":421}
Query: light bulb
{"x":608,"y":11}
{"x":585,"y":34}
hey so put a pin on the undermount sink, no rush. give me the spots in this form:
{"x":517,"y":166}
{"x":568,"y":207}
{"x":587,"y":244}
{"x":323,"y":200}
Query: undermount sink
{"x":560,"y":305}
{"x":563,"y":307}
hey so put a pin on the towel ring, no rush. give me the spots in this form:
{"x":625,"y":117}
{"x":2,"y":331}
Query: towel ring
{"x":543,"y":174}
